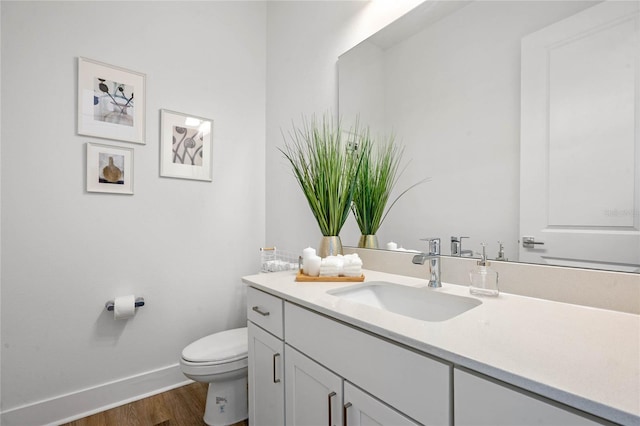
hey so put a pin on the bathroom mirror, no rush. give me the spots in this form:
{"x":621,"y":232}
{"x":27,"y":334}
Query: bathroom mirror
{"x":519,"y":113}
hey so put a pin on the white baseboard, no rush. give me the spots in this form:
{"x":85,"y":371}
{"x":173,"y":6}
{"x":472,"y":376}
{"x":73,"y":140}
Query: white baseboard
{"x":76,"y":405}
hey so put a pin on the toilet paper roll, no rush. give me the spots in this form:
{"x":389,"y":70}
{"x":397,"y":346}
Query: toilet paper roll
{"x":124,"y":307}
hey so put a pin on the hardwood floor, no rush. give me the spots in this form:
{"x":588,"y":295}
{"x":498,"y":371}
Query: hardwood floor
{"x":182,"y":406}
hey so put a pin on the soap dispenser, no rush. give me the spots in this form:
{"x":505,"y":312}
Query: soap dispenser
{"x":483,"y":279}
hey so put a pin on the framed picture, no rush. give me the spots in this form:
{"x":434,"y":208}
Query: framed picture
{"x":111,"y":102}
{"x":109,"y":169}
{"x":185,"y":146}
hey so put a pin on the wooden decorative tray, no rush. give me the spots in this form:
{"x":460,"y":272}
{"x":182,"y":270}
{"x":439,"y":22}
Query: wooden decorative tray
{"x":306,"y":278}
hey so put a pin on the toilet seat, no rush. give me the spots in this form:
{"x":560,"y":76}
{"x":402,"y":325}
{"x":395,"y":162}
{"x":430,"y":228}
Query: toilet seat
{"x":225,"y":347}
{"x":213,"y":367}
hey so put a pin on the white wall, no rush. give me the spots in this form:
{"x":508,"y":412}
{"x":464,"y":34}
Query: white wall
{"x":304,"y":42}
{"x":181,"y":244}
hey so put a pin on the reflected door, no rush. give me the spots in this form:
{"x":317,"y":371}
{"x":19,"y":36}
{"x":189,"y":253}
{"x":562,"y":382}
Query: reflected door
{"x":580,"y":127}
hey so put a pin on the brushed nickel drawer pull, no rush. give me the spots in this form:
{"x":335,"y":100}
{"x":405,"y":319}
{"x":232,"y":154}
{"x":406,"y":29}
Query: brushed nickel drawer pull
{"x":344,"y":413}
{"x":331,"y":395}
{"x":275,"y":379}
{"x":260,"y":311}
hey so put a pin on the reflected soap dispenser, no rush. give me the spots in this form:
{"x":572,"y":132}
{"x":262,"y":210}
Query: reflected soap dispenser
{"x":483,"y":279}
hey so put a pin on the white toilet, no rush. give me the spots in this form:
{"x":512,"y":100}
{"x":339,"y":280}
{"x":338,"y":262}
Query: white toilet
{"x":220,"y":359}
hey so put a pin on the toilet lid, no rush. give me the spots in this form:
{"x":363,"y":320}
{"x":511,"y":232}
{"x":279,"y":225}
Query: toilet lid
{"x":225,"y":346}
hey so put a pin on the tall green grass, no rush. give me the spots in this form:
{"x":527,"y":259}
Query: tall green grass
{"x":375,"y":181}
{"x":325,"y":162}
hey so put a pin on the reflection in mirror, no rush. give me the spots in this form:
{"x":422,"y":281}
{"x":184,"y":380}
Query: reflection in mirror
{"x":462,"y":92}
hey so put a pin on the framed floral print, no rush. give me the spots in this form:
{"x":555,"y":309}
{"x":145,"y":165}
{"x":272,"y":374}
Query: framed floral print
{"x":186,"y":143}
{"x":111,"y":102}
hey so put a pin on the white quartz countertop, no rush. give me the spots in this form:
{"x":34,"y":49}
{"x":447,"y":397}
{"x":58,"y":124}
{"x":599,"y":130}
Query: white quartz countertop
{"x":584,"y":357}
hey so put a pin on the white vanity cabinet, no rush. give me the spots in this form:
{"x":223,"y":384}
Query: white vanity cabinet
{"x":265,"y":353}
{"x":361,"y":409}
{"x":328,"y":372}
{"x":411,"y":383}
{"x":571,"y":366}
{"x":478,"y":402}
{"x":314,"y":397}
{"x":313,"y":393}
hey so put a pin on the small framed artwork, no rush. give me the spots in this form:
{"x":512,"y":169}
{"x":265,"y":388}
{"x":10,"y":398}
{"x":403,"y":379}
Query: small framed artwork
{"x":111,"y":102}
{"x":185,"y":146}
{"x":109,"y":169}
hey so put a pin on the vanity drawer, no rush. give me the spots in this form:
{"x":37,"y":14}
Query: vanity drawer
{"x":266,"y":311}
{"x":410,"y":382}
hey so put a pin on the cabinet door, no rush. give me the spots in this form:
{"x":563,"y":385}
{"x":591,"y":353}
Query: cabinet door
{"x":479,"y":402}
{"x":362,"y":409}
{"x":411,"y":383}
{"x":314,"y":394}
{"x":266,"y":383}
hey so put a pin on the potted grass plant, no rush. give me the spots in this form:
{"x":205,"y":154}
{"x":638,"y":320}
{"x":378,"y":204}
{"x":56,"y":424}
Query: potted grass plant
{"x":377,"y":177}
{"x":325,"y":165}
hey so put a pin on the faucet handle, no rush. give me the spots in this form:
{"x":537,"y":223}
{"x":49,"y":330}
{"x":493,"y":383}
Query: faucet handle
{"x":456,"y":246}
{"x":434,"y":245}
{"x":457,"y":239}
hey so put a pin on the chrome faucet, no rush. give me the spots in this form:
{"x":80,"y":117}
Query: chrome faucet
{"x":434,"y":261}
{"x":456,"y":247}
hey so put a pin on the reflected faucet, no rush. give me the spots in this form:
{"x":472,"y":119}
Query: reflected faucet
{"x":433,"y":256}
{"x":456,"y":247}
{"x":501,"y":252}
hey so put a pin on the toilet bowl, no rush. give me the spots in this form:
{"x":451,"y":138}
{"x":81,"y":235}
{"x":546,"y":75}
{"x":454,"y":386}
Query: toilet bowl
{"x":220,"y":359}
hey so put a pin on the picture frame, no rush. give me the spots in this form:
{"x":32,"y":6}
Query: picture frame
{"x":186,"y":146}
{"x":109,"y":169}
{"x":107,"y":107}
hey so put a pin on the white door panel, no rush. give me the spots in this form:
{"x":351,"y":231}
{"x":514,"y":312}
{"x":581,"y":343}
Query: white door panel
{"x":580,"y":140}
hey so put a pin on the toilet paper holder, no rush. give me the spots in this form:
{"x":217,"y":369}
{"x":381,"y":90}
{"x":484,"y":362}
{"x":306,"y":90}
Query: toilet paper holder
{"x":139,"y":302}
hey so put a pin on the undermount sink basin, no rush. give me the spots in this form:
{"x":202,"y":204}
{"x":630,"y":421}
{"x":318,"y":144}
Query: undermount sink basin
{"x":422,"y":303}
